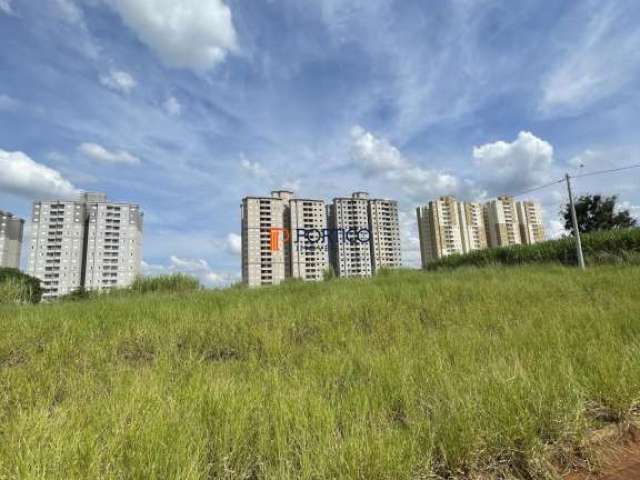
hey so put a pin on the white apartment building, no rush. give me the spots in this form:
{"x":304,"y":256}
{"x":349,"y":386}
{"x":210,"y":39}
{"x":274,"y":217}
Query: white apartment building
{"x":501,"y":219}
{"x":351,"y":257}
{"x":309,"y":248}
{"x":530,"y":221}
{"x":11,"y":232}
{"x":70,"y":241}
{"x":113,"y":243}
{"x":262,"y":264}
{"x":286,"y":237}
{"x":385,"y":234}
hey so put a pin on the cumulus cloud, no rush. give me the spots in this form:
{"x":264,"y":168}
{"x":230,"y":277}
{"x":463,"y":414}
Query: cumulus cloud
{"x":118,"y":81}
{"x":507,"y":167}
{"x":193,"y":34}
{"x":377,"y":157}
{"x":234,"y":243}
{"x":172,"y":106}
{"x":101,"y":154}
{"x":69,"y":11}
{"x":25,"y":177}
{"x":195,"y":267}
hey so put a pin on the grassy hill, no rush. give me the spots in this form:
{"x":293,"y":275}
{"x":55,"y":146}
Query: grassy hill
{"x":410,"y":375}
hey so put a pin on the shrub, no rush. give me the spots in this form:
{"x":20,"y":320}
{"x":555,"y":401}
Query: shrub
{"x":175,"y":283}
{"x":612,"y":246}
{"x":18,"y":287}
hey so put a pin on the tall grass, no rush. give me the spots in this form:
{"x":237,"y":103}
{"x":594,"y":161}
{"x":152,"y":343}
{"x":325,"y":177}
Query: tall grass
{"x":496,"y":372}
{"x":612,"y":246}
{"x":17,"y":287}
{"x":174,"y":283}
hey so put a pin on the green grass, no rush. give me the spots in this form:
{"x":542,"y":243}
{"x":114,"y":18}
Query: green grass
{"x":498,"y":371}
{"x":604,"y":247}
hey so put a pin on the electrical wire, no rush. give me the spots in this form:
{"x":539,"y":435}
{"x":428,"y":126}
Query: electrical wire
{"x":611,"y":170}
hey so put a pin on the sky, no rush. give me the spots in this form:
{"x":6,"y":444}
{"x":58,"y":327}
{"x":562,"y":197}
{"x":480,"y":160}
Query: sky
{"x":187,"y":106}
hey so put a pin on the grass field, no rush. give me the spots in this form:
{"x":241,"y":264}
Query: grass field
{"x":497,"y":371}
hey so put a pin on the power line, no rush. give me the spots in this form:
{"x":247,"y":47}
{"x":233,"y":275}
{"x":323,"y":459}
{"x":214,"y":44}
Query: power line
{"x":540,"y":187}
{"x":611,"y":170}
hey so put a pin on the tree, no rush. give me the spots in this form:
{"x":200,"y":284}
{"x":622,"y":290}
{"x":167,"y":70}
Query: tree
{"x":596,"y":212}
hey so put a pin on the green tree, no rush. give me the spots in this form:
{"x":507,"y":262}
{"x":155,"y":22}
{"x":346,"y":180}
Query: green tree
{"x":597,"y":212}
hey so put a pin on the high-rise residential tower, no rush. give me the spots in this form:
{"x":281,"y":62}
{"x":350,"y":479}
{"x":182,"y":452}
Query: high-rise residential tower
{"x":262,"y":217}
{"x":351,"y":256}
{"x":530,"y":221}
{"x":473,"y":230}
{"x":440,"y":229}
{"x":501,"y":220}
{"x":286,"y":237}
{"x":309,"y":251}
{"x":90,"y":243}
{"x":11,"y":231}
{"x":385,"y":234}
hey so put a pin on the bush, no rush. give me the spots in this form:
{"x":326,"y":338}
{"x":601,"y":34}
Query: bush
{"x":176,"y":283}
{"x":18,"y":287}
{"x":612,"y":246}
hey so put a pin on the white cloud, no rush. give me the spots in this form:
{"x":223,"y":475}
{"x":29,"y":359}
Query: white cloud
{"x":101,"y":154}
{"x":234,"y":243}
{"x":509,"y":167}
{"x":598,"y":63}
{"x":195,"y":34}
{"x":118,"y":81}
{"x":23,"y":176}
{"x":255,"y":169}
{"x":5,"y":6}
{"x":195,"y":267}
{"x":172,"y":106}
{"x":69,"y":12}
{"x":376,"y":157}
{"x":8,"y":103}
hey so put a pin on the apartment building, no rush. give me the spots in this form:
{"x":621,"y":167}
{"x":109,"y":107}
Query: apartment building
{"x":351,"y":257}
{"x":473,"y":229}
{"x":11,"y":232}
{"x":113,"y":251}
{"x":262,"y":264}
{"x":309,"y":251}
{"x":76,"y":244}
{"x":530,"y":222}
{"x":439,"y":229}
{"x":287,"y":237}
{"x":385,"y":234}
{"x":501,"y":220}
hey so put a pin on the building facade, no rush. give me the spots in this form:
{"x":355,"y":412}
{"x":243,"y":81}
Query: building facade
{"x":11,"y":232}
{"x":439,"y":229}
{"x":76,"y":244}
{"x":501,"y":219}
{"x":351,"y":257}
{"x":260,"y":217}
{"x":287,"y":237}
{"x":447,"y":226}
{"x":385,"y":234}
{"x":530,"y":221}
{"x":309,"y":255}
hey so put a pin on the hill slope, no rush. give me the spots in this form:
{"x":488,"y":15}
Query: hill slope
{"x":410,"y":375}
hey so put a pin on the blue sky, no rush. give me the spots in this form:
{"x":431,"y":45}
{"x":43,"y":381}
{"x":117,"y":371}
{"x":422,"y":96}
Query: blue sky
{"x":186,"y":106}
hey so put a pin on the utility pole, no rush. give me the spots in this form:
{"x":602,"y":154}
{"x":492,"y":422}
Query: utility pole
{"x":574,"y":220}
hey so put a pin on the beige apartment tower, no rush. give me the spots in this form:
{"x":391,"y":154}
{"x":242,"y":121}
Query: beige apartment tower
{"x":90,"y":243}
{"x":11,"y":232}
{"x":530,"y":222}
{"x":501,"y":219}
{"x":473,"y":230}
{"x":260,"y":218}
